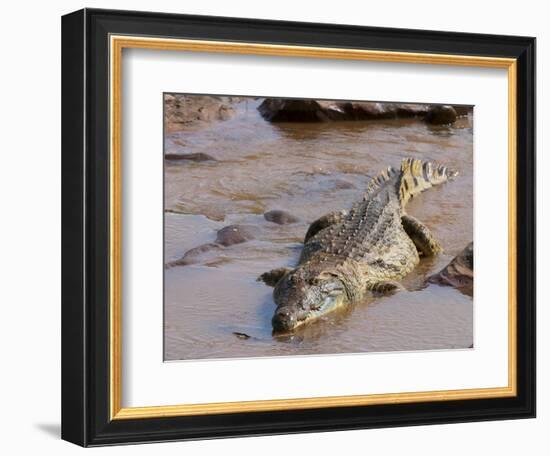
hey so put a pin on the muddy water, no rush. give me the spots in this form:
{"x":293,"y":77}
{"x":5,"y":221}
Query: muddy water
{"x":308,"y":170}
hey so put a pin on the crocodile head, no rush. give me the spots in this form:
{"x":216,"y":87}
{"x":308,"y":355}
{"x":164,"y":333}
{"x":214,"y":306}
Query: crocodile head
{"x":302,"y":296}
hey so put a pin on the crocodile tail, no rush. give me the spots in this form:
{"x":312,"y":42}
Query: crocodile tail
{"x":418,"y":175}
{"x":380,"y":179}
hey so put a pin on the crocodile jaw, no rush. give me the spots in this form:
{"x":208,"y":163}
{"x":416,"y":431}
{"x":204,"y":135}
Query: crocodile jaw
{"x":288,"y":318}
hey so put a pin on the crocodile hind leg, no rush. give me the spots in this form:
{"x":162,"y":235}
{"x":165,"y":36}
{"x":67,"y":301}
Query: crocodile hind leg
{"x":387,"y":287}
{"x":324,"y":222}
{"x":272,"y":277}
{"x":420,"y":234}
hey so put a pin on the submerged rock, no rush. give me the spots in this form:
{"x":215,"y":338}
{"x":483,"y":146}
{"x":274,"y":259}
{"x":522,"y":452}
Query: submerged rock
{"x":193,"y":256}
{"x":459,"y":273}
{"x":227,"y":236}
{"x":196,"y":157}
{"x":236,"y":234}
{"x":441,"y":115}
{"x":280,"y":217}
{"x":342,"y":184}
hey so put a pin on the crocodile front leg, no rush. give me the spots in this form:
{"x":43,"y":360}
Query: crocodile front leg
{"x":324,"y":222}
{"x":272,"y":277}
{"x":420,"y":234}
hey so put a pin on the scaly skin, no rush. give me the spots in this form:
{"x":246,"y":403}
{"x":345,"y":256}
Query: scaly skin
{"x":368,"y":248}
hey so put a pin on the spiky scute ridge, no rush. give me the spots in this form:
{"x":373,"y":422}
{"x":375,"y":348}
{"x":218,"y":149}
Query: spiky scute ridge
{"x":369,"y":244}
{"x":380,"y":180}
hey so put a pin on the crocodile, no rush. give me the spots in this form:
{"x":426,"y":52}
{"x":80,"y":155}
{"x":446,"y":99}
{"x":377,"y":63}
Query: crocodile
{"x":366,"y":249}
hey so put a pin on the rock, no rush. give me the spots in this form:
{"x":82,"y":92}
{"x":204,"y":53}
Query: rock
{"x":286,"y":110}
{"x":365,"y":111}
{"x":404,"y":110}
{"x":462,"y":110}
{"x":280,"y":217}
{"x":236,"y":234}
{"x":241,"y":335}
{"x":192,"y":256}
{"x":283,"y":110}
{"x":196,"y":157}
{"x":441,"y":115}
{"x":359,"y":110}
{"x":459,"y":273}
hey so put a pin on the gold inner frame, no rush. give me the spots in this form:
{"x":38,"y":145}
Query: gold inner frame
{"x":117,"y":44}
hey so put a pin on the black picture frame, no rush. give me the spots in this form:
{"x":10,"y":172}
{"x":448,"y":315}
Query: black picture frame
{"x":85,"y":224}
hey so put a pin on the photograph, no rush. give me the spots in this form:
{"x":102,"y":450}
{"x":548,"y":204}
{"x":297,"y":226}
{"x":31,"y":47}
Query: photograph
{"x":297,"y":227}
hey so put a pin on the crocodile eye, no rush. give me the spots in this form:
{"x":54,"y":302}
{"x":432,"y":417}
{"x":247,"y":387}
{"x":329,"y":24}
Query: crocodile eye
{"x":326,"y":276}
{"x":316,"y":306}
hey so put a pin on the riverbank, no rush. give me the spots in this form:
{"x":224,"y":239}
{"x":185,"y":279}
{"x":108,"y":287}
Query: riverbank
{"x":182,"y":111}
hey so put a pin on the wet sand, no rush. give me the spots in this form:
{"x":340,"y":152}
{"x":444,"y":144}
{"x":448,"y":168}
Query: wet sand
{"x":308,"y":170}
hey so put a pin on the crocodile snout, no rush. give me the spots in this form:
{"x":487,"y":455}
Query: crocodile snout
{"x":284,"y":319}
